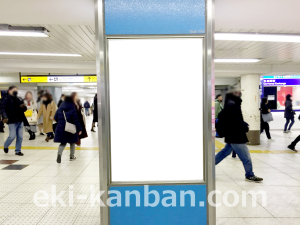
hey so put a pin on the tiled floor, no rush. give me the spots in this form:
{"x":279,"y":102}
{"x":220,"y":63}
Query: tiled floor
{"x":281,"y":173}
{"x":280,"y":170}
{"x":18,"y":187}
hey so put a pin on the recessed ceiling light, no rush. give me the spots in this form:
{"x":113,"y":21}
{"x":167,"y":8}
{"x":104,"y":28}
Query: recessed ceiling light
{"x":236,"y":60}
{"x":18,"y":31}
{"x":39,"y":54}
{"x":257,"y":37}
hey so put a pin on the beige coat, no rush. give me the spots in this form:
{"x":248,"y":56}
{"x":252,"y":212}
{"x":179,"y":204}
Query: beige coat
{"x":47,"y":113}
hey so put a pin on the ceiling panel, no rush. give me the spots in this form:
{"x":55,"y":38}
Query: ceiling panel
{"x":74,"y":39}
{"x":276,"y":53}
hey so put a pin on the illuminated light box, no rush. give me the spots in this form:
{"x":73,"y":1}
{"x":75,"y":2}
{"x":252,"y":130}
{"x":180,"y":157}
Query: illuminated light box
{"x":156,"y":109}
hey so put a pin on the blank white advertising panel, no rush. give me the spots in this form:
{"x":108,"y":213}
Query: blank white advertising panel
{"x":156,"y":109}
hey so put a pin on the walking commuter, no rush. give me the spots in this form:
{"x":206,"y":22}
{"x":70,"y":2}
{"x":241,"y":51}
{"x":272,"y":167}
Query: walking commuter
{"x":289,"y":114}
{"x":66,"y":113}
{"x":87,"y":107}
{"x":81,"y":117}
{"x":40,"y":119}
{"x":218,"y":108}
{"x":61,"y":100}
{"x":47,"y":109}
{"x":234,"y":129}
{"x":264,"y":126}
{"x":1,"y":120}
{"x":95,"y":114}
{"x":13,"y":109}
{"x":31,"y":114}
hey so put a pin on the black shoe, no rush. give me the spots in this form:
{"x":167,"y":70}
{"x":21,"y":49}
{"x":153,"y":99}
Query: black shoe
{"x":6,"y":150}
{"x":292,"y":148}
{"x":42,"y":134}
{"x":58,"y":160}
{"x":19,"y":154}
{"x":1,"y":131}
{"x":254,"y":179}
{"x":32,"y":136}
{"x":72,"y":158}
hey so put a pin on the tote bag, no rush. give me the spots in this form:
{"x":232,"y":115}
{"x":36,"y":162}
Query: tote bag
{"x":267,"y":117}
{"x":70,"y":128}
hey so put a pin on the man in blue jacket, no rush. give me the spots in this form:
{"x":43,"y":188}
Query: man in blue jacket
{"x":87,"y":108}
{"x":235,"y":137}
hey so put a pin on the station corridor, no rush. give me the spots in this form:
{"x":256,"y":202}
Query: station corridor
{"x":22,"y":177}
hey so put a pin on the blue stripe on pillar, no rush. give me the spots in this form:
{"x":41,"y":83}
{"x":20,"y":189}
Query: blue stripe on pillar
{"x":160,"y":215}
{"x":129,"y":17}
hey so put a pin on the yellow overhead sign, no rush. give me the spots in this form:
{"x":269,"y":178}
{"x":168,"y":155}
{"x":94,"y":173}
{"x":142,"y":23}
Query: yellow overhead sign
{"x":90,"y":78}
{"x":34,"y":79}
{"x":59,"y":79}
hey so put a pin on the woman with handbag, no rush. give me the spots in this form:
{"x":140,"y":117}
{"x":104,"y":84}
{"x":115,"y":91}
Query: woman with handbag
{"x":47,"y":109}
{"x":31,"y":114}
{"x":289,"y":114}
{"x":265,"y":111}
{"x":81,"y":117}
{"x":68,"y":128}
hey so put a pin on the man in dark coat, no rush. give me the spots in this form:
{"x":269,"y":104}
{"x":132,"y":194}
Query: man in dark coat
{"x":235,"y":137}
{"x":13,"y":108}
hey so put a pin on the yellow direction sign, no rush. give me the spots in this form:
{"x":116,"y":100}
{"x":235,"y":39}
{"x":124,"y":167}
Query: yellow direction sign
{"x":34,"y":79}
{"x":90,"y":78}
{"x":59,"y":79}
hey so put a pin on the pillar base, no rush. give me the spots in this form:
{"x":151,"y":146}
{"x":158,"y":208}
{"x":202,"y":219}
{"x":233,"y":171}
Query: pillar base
{"x":253,"y":137}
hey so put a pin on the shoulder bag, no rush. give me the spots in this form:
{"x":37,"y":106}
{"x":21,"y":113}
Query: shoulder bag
{"x":267,"y":117}
{"x":70,"y":128}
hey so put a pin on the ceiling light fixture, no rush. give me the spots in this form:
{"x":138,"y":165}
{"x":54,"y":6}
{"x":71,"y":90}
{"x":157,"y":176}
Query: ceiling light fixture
{"x":39,"y":54}
{"x":257,"y":37}
{"x":236,"y":60}
{"x":7,"y":30}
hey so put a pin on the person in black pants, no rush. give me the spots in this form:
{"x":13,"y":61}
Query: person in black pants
{"x":265,"y":125}
{"x":295,"y":142}
{"x":289,"y":114}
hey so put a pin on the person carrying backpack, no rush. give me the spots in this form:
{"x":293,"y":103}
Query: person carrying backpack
{"x":232,"y":126}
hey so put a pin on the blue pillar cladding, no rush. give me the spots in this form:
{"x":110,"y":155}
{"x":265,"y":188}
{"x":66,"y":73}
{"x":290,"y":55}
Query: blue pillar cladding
{"x":192,"y":213}
{"x":138,"y":17}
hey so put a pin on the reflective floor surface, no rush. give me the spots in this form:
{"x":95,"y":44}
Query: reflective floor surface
{"x":280,"y":169}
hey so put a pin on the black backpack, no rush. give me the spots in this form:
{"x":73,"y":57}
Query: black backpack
{"x":221,"y":124}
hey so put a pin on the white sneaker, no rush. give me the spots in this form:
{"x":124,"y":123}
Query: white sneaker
{"x":289,"y":131}
{"x":271,"y":140}
{"x":285,"y":132}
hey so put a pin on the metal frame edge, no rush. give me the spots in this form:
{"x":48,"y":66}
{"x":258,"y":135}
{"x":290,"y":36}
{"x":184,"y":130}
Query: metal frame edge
{"x":208,"y":87}
{"x":103,"y":117}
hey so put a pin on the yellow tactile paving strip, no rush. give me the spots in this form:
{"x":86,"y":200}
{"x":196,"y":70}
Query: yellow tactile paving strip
{"x":52,"y":148}
{"x":220,"y":145}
